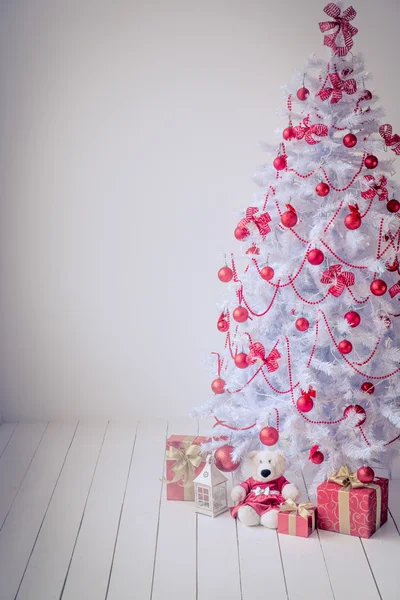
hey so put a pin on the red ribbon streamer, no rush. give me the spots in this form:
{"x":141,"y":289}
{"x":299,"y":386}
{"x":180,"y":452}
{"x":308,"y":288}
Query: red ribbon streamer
{"x":391,"y":141}
{"x":257,"y":351}
{"x":395,"y":289}
{"x":376,"y":187}
{"x":342,"y":25}
{"x":306,"y":131}
{"x":261,"y":221}
{"x":339,"y":87}
{"x":340,"y":280}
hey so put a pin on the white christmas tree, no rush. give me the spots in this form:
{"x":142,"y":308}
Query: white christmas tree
{"x":310,"y":359}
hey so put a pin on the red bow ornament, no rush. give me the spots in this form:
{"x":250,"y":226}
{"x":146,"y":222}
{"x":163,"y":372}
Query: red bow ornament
{"x":391,"y":141}
{"x":339,"y":87}
{"x":394,"y":267}
{"x":310,"y":394}
{"x":257,"y":352}
{"x":340,"y":280}
{"x":342,"y":26}
{"x":394,"y":290}
{"x":313,"y":450}
{"x":306,"y":131}
{"x":375,"y":188}
{"x":260,"y":221}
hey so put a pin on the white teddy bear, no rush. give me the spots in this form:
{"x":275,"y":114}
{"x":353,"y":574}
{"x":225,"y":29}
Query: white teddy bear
{"x":257,"y":500}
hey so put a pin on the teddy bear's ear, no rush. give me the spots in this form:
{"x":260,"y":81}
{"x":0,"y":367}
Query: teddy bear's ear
{"x":252,"y":454}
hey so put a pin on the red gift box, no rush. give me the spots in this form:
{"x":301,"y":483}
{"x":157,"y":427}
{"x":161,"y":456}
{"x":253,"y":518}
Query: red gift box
{"x":297,"y":519}
{"x":352,"y":507}
{"x":183,"y":463}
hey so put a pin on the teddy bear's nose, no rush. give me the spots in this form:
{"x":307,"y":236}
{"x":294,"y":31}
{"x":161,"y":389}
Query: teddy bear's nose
{"x":265,"y":473}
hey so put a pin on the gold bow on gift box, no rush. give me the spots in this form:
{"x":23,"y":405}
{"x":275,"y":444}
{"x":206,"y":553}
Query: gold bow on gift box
{"x":346,"y":478}
{"x":186,"y":462}
{"x":304,"y":510}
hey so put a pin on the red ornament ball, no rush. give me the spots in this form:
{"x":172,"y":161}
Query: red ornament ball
{"x":288,"y":133}
{"x":303,"y":93}
{"x":241,"y":233}
{"x":269,"y":436}
{"x":223,"y":325}
{"x":322,"y":189}
{"x":240,"y":314}
{"x":225,"y":274}
{"x":280,"y":163}
{"x":302,"y":324}
{"x":305,"y":403}
{"x":240,"y":360}
{"x":371,"y":162}
{"x":289,"y":218}
{"x":317,"y":458}
{"x":315,"y":257}
{"x":393,"y":206}
{"x":352,"y":220}
{"x":357,"y":409}
{"x":267,"y":273}
{"x":345,"y":347}
{"x":353,"y":318}
{"x":218,"y":386}
{"x":368,"y":387}
{"x":350,"y":140}
{"x":378,"y":287}
{"x":367,"y":95}
{"x":223,"y":459}
{"x":365,"y":474}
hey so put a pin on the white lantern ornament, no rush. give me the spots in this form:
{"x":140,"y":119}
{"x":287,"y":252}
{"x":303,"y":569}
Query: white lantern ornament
{"x":211,"y":496}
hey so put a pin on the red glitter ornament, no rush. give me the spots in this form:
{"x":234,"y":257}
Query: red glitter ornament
{"x":280,"y":163}
{"x":267,"y":273}
{"x":367,"y":95}
{"x":289,"y":217}
{"x":240,"y":314}
{"x":269,"y":436}
{"x":241,"y":233}
{"x":353,"y":318}
{"x":240,"y":360}
{"x":315,"y":257}
{"x":222,"y":325}
{"x":225,"y":274}
{"x":368,"y":387}
{"x":223,"y":459}
{"x":288,"y":133}
{"x":353,"y":219}
{"x":393,"y":206}
{"x":316,"y":455}
{"x":218,"y":386}
{"x":350,"y":140}
{"x":322,"y":189}
{"x":302,"y":324}
{"x":371,"y":162}
{"x":253,"y":250}
{"x":305,"y":403}
{"x":365,"y":474}
{"x":355,"y":409}
{"x":303,"y":93}
{"x":345,"y":347}
{"x":378,"y":287}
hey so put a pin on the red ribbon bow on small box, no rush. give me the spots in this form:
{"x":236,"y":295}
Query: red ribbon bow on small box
{"x":342,"y":25}
{"x":341,"y":280}
{"x":306,"y":131}
{"x":391,"y":141}
{"x":257,"y":352}
{"x":339,"y":87}
{"x":310,"y":394}
{"x":261,"y":221}
{"x":375,"y":188}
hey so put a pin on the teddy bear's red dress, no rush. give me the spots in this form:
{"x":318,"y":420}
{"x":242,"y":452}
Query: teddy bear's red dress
{"x":262,"y":496}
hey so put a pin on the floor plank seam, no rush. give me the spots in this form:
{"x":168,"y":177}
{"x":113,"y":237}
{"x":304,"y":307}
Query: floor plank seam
{"x":83,"y":514}
{"x":282,"y":565}
{"x":370,"y":568}
{"x":23,"y":478}
{"x":9,"y":440}
{"x":120,"y":513}
{"x":394,"y":520}
{"x":197,"y":556}
{"x":47,"y":509}
{"x":238,"y":558}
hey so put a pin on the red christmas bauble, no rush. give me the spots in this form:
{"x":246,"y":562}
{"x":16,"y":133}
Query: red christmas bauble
{"x":371,"y":162}
{"x":269,"y":436}
{"x":267,"y":273}
{"x":378,"y":287}
{"x":302,"y":324}
{"x":305,"y":403}
{"x":223,"y":459}
{"x":303,"y":93}
{"x":352,"y":220}
{"x":289,"y":218}
{"x":322,"y":189}
{"x":241,"y":233}
{"x":345,"y":347}
{"x":223,"y":325}
{"x":288,"y":133}
{"x":367,"y":95}
{"x":368,"y":387}
{"x":240,"y":314}
{"x":225,"y":274}
{"x":350,"y":140}
{"x":353,"y":318}
{"x":393,"y":206}
{"x":218,"y":386}
{"x":387,"y":321}
{"x":253,"y":250}
{"x":280,"y":163}
{"x":365,"y":474}
{"x":317,"y":458}
{"x":355,"y":408}
{"x":315,"y":257}
{"x":240,"y":360}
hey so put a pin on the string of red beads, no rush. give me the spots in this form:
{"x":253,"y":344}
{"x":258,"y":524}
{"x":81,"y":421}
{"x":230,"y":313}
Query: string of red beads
{"x":281,"y":392}
{"x":349,"y":184}
{"x":309,"y":302}
{"x":314,"y":345}
{"x":344,"y":262}
{"x":364,"y":436}
{"x":334,"y":216}
{"x":268,"y":307}
{"x":361,"y":364}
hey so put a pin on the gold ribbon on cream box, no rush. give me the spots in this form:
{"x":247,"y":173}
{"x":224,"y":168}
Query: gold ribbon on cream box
{"x":289,"y":522}
{"x":183,"y":463}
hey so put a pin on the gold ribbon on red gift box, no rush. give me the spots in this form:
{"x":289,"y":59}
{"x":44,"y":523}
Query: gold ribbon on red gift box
{"x":348,"y":481}
{"x":186,"y":461}
{"x":304,"y":510}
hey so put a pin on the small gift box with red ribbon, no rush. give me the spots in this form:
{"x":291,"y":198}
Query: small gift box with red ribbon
{"x":346,"y":505}
{"x":297,"y":519}
{"x":183,"y":463}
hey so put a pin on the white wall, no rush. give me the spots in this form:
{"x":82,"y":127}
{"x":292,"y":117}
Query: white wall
{"x":129,"y":135}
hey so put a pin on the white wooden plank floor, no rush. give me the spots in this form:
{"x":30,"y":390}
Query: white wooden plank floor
{"x":83,"y":516}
